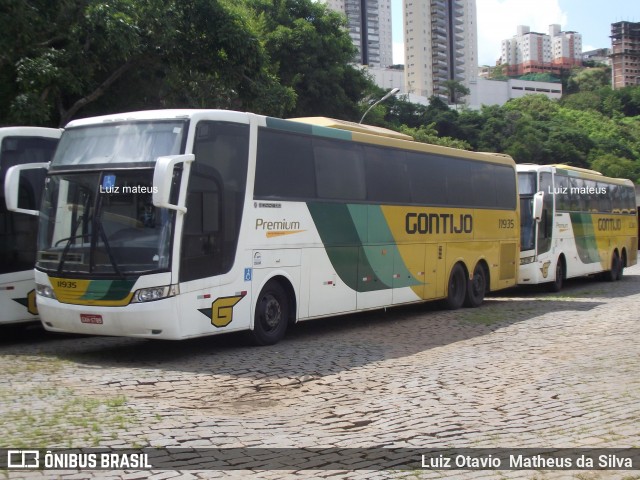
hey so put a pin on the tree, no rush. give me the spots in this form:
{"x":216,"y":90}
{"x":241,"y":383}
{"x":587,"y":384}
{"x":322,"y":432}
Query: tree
{"x":588,"y":79}
{"x":311,"y":53}
{"x":456,"y":91}
{"x":429,"y":134}
{"x":161,"y":53}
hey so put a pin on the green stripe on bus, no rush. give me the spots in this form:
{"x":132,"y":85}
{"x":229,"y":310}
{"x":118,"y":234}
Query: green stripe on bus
{"x":360,"y":246}
{"x":298,"y":127}
{"x":108,"y":290}
{"x":585,"y":237}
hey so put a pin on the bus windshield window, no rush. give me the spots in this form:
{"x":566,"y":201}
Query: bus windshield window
{"x":119,"y":143}
{"x":527,"y":187}
{"x":94,"y":222}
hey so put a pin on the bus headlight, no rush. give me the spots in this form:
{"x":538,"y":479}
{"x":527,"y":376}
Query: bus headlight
{"x":527,"y":260}
{"x":45,"y":291}
{"x":154,"y":293}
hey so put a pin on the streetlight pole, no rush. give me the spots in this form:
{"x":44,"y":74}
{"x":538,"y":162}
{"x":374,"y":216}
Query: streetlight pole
{"x":391,"y":92}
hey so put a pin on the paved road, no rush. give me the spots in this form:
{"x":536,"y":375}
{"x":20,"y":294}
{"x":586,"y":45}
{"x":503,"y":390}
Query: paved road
{"x":526,"y":370}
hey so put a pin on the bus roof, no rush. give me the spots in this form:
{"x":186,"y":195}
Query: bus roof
{"x":168,"y":114}
{"x":30,"y":132}
{"x":573,"y":172}
{"x":351,"y":126}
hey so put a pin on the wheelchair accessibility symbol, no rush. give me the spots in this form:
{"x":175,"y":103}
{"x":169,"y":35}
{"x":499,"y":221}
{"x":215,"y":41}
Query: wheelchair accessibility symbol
{"x":247,"y":274}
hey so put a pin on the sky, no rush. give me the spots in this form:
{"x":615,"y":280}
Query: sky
{"x":498,"y":20}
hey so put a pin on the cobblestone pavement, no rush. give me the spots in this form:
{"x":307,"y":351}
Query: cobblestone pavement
{"x":527,"y":369}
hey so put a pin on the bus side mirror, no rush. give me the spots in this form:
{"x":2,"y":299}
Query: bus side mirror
{"x":12,"y":186}
{"x":163,"y":178}
{"x":537,"y":206}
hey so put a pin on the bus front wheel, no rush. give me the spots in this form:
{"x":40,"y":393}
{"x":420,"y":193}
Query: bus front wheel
{"x":556,"y":285}
{"x":457,"y":287}
{"x":271,"y":315}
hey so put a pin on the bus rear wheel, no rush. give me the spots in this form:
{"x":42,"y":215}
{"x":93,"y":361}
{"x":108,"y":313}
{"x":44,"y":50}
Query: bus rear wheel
{"x":271,"y":316}
{"x":476,"y":288}
{"x":623,"y":263}
{"x":457,"y":287}
{"x":612,"y":275}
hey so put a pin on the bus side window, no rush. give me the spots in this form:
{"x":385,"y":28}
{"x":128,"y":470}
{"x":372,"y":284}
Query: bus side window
{"x":348,"y":159}
{"x":613,"y":191}
{"x":562,"y":195}
{"x":605,"y":200}
{"x":215,"y":199}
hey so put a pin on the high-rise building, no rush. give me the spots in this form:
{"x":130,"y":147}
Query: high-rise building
{"x":440,"y":44}
{"x":532,"y":52}
{"x":625,"y":54}
{"x":369,"y":23}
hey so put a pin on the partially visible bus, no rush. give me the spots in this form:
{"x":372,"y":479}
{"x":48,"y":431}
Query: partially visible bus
{"x":574,"y":222}
{"x":20,"y":145}
{"x":177,"y":224}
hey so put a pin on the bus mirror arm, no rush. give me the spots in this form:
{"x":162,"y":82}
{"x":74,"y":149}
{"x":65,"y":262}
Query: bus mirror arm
{"x":12,"y":186}
{"x":537,"y":206}
{"x":162,"y":179}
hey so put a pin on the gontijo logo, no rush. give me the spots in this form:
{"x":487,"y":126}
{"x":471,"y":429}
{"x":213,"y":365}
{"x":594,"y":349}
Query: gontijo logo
{"x":278,"y":228}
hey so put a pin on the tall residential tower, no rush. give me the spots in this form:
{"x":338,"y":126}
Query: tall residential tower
{"x":440,"y":44}
{"x":369,"y":24}
{"x":625,"y":54}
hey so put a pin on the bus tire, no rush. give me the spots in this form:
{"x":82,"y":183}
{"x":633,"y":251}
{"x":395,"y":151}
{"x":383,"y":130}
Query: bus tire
{"x":623,"y":263}
{"x":271,"y":316}
{"x":476,"y":287}
{"x":457,"y":287}
{"x":556,"y":285}
{"x":612,"y":275}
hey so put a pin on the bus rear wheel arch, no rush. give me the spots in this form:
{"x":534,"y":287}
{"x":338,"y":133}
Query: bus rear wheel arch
{"x":477,"y":285}
{"x":457,"y":287}
{"x":273,"y":313}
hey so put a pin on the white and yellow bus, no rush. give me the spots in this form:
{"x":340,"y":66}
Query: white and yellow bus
{"x":574,"y":222}
{"x":18,"y":146}
{"x":183,"y":223}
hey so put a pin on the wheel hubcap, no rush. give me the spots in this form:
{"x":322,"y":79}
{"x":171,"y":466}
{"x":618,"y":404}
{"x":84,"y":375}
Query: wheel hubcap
{"x":272,"y":312}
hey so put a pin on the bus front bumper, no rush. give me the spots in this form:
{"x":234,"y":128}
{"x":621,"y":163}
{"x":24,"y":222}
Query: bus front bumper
{"x":157,"y":319}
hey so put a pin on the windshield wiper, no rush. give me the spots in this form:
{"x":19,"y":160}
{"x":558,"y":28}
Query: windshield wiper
{"x":108,"y":250}
{"x":97,"y":227}
{"x":73,"y":236}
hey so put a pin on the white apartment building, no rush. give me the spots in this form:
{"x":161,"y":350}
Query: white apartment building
{"x":441,"y":44}
{"x":533,"y":52}
{"x":369,"y":23}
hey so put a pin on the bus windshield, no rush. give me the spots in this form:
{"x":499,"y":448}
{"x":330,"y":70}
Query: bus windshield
{"x":104,"y":223}
{"x":132,"y":142}
{"x":527,"y":188}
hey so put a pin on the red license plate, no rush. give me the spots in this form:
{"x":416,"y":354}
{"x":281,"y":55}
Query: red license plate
{"x":88,"y":318}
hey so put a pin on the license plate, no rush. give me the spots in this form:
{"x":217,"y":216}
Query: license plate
{"x":93,"y":319}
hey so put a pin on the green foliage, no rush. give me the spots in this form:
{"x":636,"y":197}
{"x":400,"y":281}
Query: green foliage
{"x":63,"y":59}
{"x":540,"y":77}
{"x":69,"y":58}
{"x":429,"y":134}
{"x":589,"y":79}
{"x":311,"y":52}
